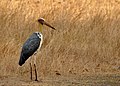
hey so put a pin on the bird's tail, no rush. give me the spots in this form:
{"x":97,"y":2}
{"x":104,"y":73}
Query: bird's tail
{"x":22,"y":60}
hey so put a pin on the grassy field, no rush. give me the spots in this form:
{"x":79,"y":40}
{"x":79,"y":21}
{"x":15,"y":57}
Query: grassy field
{"x":87,"y":39}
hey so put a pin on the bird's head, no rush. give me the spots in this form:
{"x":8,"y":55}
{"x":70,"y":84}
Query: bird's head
{"x":43,"y":22}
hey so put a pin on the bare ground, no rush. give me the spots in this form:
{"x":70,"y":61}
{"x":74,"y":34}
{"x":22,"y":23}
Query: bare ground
{"x":83,"y":80}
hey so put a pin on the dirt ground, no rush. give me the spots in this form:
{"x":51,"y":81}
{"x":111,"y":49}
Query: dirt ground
{"x":83,"y":80}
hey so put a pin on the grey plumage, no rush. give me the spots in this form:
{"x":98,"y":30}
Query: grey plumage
{"x":30,"y":47}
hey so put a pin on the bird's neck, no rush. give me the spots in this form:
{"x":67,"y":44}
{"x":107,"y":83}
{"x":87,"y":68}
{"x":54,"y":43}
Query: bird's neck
{"x":41,"y":27}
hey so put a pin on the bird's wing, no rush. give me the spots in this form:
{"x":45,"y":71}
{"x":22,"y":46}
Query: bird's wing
{"x":30,"y":46}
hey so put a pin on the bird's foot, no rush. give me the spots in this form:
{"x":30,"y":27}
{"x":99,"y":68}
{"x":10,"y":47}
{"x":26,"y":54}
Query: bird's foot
{"x":36,"y":79}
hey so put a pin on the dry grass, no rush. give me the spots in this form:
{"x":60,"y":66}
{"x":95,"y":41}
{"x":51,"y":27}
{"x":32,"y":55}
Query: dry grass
{"x":87,"y":39}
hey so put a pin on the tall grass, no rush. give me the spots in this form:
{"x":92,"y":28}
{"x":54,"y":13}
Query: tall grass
{"x":87,"y":39}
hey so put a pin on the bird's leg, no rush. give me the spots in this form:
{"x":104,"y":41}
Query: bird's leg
{"x":35,"y":69}
{"x":35,"y":73}
{"x":31,"y":71}
{"x":31,"y":68}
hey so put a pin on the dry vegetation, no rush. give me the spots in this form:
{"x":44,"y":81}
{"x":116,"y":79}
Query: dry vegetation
{"x":87,"y":39}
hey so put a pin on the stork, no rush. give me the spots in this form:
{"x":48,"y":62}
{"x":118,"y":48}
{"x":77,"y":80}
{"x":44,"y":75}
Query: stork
{"x":32,"y":45}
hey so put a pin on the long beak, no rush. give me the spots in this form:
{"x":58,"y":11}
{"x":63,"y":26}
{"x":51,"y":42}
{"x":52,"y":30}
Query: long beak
{"x":49,"y":25}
